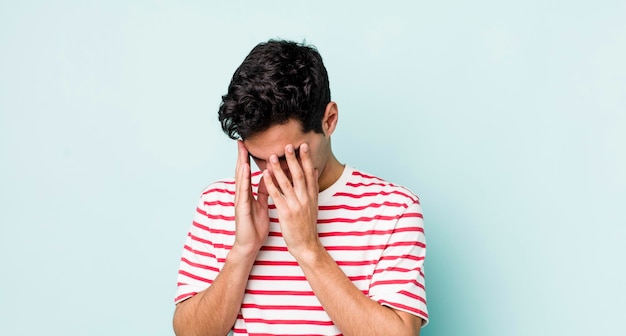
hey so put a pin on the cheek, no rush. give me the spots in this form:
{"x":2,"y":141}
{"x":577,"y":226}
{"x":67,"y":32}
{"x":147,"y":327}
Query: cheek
{"x":260,"y":164}
{"x":284,"y":166}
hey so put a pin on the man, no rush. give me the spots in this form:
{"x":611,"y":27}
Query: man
{"x":307,"y":245}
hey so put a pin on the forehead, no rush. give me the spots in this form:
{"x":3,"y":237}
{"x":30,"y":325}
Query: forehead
{"x":274,"y":139}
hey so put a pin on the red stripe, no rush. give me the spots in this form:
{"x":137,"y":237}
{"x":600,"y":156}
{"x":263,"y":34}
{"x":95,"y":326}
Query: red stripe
{"x":383,"y":193}
{"x":286,"y":292}
{"x":212,"y":216}
{"x":299,"y":278}
{"x":409,"y":229}
{"x":219,"y":190}
{"x":325,"y":220}
{"x":374,"y":247}
{"x":358,"y":173}
{"x":404,"y":256}
{"x":195,"y":277}
{"x":281,"y":307}
{"x":408,"y":243}
{"x":226,"y":204}
{"x":370,"y":232}
{"x":277,"y":277}
{"x":355,"y":248}
{"x":307,"y":322}
{"x":355,"y":233}
{"x":221,"y":217}
{"x":223,"y":232}
{"x":329,"y":248}
{"x":245,"y":332}
{"x":295,"y":263}
{"x":341,"y":262}
{"x":396,"y":282}
{"x":412,"y":215}
{"x":184,"y":296}
{"x":197,"y":265}
{"x":200,"y":226}
{"x":275,"y":263}
{"x":355,"y":220}
{"x":279,"y":292}
{"x":211,"y":230}
{"x":400,"y":269}
{"x":396,"y":269}
{"x":413,"y":296}
{"x":206,"y":241}
{"x":200,"y":211}
{"x":361,"y":207}
{"x":350,"y":184}
{"x":202,"y":253}
{"x":198,"y":239}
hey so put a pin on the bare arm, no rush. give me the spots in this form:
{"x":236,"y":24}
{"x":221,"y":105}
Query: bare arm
{"x":351,"y":311}
{"x":214,"y":310}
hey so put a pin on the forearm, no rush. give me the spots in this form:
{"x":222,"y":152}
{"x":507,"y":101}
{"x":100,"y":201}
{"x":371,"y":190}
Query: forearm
{"x":214,"y":310}
{"x":351,"y":311}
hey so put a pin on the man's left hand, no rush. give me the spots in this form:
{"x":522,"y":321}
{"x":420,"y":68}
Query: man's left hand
{"x":295,"y":199}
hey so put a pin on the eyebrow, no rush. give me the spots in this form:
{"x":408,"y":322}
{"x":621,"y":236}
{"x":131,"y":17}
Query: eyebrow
{"x":280,"y":158}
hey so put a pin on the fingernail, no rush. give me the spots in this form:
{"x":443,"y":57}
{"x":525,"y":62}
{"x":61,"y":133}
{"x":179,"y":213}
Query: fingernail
{"x":273,"y":159}
{"x":304,"y":147}
{"x":289,"y":149}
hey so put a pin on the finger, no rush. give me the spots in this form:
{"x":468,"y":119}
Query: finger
{"x":242,"y":175}
{"x":310,"y":173}
{"x":242,"y":153}
{"x":273,"y":190}
{"x":262,"y":193}
{"x":283,"y":181}
{"x":243,"y":190}
{"x":238,"y":173}
{"x":297,"y":175}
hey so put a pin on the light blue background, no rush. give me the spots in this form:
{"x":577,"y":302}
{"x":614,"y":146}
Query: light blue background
{"x":508,"y":118}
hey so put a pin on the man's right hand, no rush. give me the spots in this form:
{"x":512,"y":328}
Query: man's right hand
{"x":251,"y":214}
{"x":214,"y":310}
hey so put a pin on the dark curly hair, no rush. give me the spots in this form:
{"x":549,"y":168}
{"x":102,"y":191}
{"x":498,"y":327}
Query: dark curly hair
{"x":278,"y":81}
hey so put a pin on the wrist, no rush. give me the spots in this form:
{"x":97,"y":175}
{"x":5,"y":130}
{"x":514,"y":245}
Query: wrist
{"x":242,"y":255}
{"x":310,"y":255}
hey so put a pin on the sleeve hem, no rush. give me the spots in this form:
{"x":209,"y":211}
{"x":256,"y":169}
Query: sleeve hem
{"x":421,"y":313}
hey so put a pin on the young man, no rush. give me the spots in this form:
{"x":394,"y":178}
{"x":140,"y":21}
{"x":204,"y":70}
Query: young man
{"x":307,"y":245}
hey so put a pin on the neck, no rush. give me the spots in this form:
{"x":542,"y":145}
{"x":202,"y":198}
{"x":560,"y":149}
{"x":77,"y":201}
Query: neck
{"x":332,"y":172}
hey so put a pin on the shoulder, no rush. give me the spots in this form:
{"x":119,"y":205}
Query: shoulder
{"x":223,"y":186}
{"x":371,"y":185}
{"x":226,"y":187}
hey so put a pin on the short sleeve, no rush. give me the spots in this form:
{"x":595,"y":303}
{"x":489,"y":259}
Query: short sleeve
{"x":198,"y":264}
{"x":398,"y":279}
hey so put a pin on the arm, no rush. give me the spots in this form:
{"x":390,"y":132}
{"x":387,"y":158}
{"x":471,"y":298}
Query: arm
{"x":214,"y":310}
{"x":351,"y":311}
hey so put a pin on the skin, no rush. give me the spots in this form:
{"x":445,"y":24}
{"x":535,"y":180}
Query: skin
{"x":293,"y":181}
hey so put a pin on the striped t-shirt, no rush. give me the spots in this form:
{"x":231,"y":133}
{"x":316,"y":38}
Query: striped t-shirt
{"x":373,"y":229}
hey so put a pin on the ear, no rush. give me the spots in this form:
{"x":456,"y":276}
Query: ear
{"x":331,"y":116}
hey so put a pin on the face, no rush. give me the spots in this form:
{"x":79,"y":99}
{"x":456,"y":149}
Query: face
{"x":273,"y":141}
